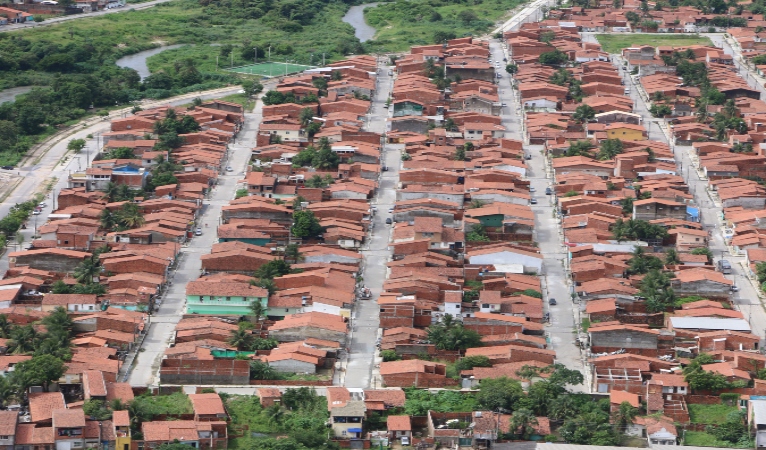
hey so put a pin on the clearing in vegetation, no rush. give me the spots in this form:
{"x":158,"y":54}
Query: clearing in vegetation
{"x":271,"y":69}
{"x":613,"y":43}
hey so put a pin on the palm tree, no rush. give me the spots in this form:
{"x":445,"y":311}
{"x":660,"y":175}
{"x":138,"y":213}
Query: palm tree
{"x":23,"y":340}
{"x":265,"y":283}
{"x":258,"y":310}
{"x":107,"y":219}
{"x":522,"y":423}
{"x":130,"y":216}
{"x":306,"y":116}
{"x":242,"y":339}
{"x":5,"y":326}
{"x":275,"y":415}
{"x":86,"y":271}
{"x":292,"y":253}
{"x":110,"y":192}
{"x":671,"y":257}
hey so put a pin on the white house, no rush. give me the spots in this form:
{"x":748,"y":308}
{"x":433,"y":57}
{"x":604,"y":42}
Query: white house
{"x":532,"y":262}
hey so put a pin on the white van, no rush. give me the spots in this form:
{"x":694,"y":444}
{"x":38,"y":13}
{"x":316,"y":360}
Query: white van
{"x":627,"y":91}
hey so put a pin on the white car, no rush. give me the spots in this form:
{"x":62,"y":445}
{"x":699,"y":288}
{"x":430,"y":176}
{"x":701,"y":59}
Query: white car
{"x":229,"y":169}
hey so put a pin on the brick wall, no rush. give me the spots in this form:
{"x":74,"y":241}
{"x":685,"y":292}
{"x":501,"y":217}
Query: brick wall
{"x":421,"y":380}
{"x":193,"y":371}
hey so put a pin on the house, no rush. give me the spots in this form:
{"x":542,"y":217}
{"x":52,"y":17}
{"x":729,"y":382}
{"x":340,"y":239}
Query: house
{"x":70,"y":302}
{"x":346,"y":413}
{"x":415,"y":372}
{"x":207,"y":407}
{"x":398,"y":427}
{"x":48,"y":259}
{"x":8,"y":421}
{"x":701,"y":281}
{"x":223,"y":297}
{"x":506,"y":255}
{"x":297,"y":327}
{"x":42,"y":405}
{"x":200,"y":435}
{"x":258,"y":183}
{"x":625,"y":131}
{"x":69,"y":428}
{"x":654,"y":208}
{"x":383,"y":399}
{"x":269,"y":396}
{"x":657,"y":430}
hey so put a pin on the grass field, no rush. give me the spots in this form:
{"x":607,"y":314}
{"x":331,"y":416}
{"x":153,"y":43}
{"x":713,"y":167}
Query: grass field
{"x":613,"y":43}
{"x":703,"y":439}
{"x":402,"y":24}
{"x":270,"y":69}
{"x":710,"y":414}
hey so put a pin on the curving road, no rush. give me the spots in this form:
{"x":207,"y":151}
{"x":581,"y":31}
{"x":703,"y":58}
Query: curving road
{"x":55,"y":20}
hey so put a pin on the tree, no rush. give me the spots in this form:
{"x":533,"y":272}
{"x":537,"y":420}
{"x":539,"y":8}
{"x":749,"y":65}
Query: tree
{"x":273,"y":269}
{"x":300,"y":398}
{"x":265,"y":283}
{"x":671,"y":257}
{"x":86,"y":271}
{"x":467,"y":363}
{"x":706,"y":251}
{"x":499,"y":393}
{"x":292,"y":253}
{"x":442,"y":36}
{"x":641,"y":263}
{"x":258,"y":310}
{"x":390,"y":355}
{"x":467,"y":16}
{"x":660,"y":110}
{"x":460,"y":153}
{"x":76,"y":145}
{"x":584,"y":113}
{"x":41,"y":370}
{"x":306,"y":225}
{"x":260,"y":370}
{"x":449,"y":335}
{"x":242,"y":339}
{"x":251,"y":87}
{"x":23,"y":340}
{"x":522,"y":424}
{"x":632,"y":17}
{"x":96,"y":409}
{"x":554,"y":58}
{"x":624,"y":415}
{"x":609,"y":149}
{"x":477,"y":234}
{"x":511,"y":68}
{"x":305,"y":116}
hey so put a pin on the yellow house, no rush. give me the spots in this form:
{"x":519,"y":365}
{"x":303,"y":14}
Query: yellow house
{"x":121,"y":423}
{"x":625,"y":131}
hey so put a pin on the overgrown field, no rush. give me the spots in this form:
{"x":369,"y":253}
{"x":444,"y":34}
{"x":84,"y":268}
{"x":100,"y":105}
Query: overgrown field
{"x":402,"y":23}
{"x":613,"y":43}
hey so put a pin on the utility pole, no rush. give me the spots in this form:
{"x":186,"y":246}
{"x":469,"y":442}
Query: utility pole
{"x":269,"y":53}
{"x":322,"y":59}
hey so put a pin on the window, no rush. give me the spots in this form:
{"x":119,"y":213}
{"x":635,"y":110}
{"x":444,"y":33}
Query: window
{"x":66,"y":242}
{"x":343,"y":433}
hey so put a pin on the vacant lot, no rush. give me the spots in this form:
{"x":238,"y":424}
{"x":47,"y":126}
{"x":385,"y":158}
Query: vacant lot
{"x":613,"y":43}
{"x":710,"y":414}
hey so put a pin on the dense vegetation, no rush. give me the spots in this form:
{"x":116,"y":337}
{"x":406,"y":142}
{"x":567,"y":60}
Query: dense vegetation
{"x":72,"y":66}
{"x":401,"y":23}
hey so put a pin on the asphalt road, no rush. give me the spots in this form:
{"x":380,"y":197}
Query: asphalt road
{"x":189,"y":266}
{"x":748,"y":298}
{"x":55,"y":20}
{"x":561,"y":331}
{"x":361,"y":368}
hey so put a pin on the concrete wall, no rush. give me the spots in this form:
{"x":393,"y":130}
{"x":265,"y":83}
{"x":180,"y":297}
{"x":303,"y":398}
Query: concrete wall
{"x":299,"y":334}
{"x":619,"y":339}
{"x":293,"y":366}
{"x":409,"y":195}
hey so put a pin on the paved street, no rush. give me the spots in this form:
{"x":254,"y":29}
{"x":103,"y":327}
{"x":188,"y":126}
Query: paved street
{"x":189,"y":266}
{"x":360,"y":370}
{"x":565,"y":315}
{"x":747,"y":299}
{"x":55,"y":20}
{"x":56,"y":164}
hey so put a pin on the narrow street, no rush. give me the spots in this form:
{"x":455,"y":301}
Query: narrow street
{"x":57,"y":163}
{"x":361,"y":365}
{"x":561,"y":331}
{"x":711,"y":212}
{"x":189,"y":266}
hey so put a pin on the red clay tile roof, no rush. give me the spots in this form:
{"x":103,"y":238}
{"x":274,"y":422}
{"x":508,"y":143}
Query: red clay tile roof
{"x":398,"y":423}
{"x":121,"y":418}
{"x":42,"y":405}
{"x":8,"y":421}
{"x":28,"y":434}
{"x":205,"y":404}
{"x":617,"y":397}
{"x":68,"y":418}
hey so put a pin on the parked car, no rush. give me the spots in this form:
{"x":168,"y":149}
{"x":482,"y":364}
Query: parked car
{"x":36,"y":212}
{"x":7,"y":167}
{"x":229,"y":169}
{"x":198,"y":231}
{"x":405,"y":440}
{"x":531,"y":189}
{"x":528,"y":157}
{"x":552,"y":301}
{"x":548,"y":191}
{"x":42,"y":205}
{"x":533,"y":201}
{"x":385,"y":168}
{"x":389,"y":221}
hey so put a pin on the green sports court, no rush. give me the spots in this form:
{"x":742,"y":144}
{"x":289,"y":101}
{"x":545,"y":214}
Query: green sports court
{"x":271,"y":69}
